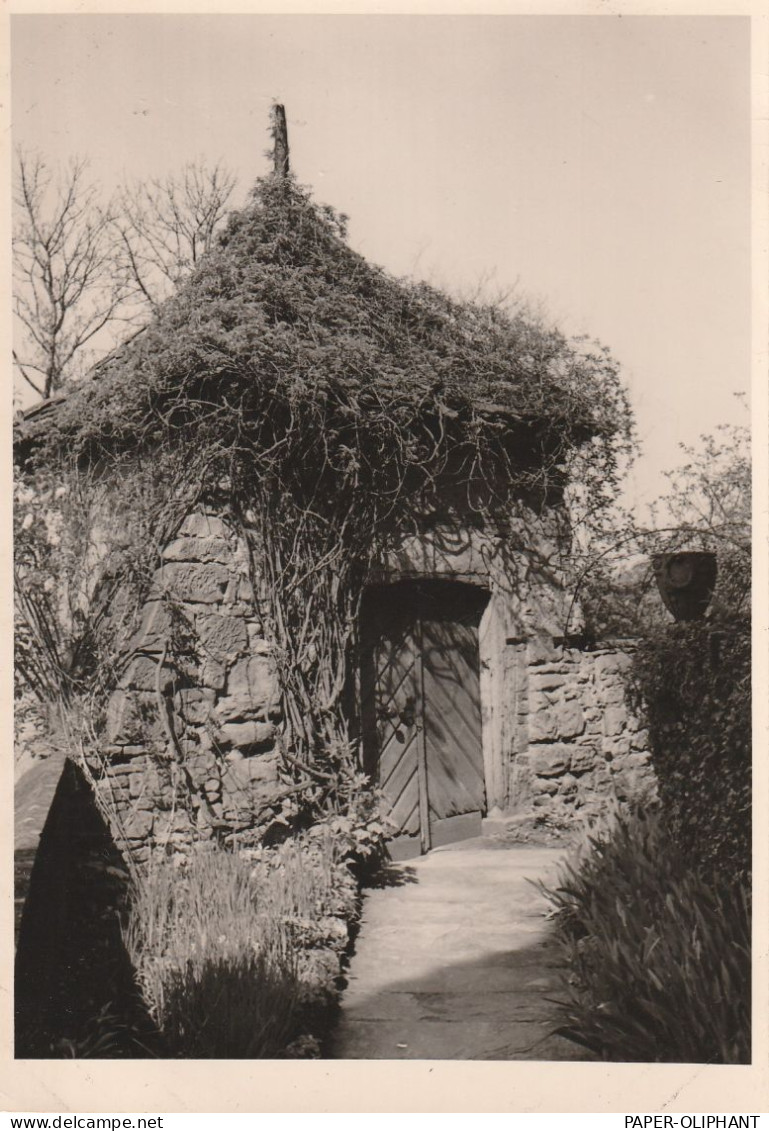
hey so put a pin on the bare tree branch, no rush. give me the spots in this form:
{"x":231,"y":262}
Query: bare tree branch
{"x":23,"y":371}
{"x":66,"y":289}
{"x":80,"y":266}
{"x":165,"y":226}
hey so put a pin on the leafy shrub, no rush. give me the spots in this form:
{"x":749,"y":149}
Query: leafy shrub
{"x":691,"y":680}
{"x":694,"y":683}
{"x":659,"y":953}
{"x":219,"y":940}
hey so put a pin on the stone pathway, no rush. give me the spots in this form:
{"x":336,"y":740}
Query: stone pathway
{"x":456,"y":960}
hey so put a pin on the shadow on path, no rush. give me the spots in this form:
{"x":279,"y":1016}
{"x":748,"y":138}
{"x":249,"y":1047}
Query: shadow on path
{"x":461,"y":964}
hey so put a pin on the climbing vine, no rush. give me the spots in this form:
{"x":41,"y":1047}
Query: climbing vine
{"x":327,"y":408}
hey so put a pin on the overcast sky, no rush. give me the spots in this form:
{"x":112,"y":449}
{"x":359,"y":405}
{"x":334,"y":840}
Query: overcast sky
{"x":598,"y":164}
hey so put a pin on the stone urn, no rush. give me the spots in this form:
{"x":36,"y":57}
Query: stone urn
{"x":686,"y":581}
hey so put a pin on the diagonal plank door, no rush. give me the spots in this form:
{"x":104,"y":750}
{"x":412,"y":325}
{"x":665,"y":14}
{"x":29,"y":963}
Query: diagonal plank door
{"x":421,"y":710}
{"x":452,"y":721}
{"x":390,"y":685}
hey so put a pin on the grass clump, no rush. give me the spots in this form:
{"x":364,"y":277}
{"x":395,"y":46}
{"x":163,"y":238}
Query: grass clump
{"x":659,"y":952}
{"x":222,"y":943}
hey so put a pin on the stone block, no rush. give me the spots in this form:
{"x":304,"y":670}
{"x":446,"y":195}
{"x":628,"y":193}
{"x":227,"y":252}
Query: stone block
{"x":616,"y":747}
{"x":246,"y":735}
{"x":245,"y":590}
{"x":201,"y":769}
{"x":113,"y":752}
{"x":174,"y":826}
{"x":155,"y":626}
{"x":213,"y":674}
{"x":247,"y":782}
{"x":132,"y":719}
{"x":238,"y":817}
{"x":194,"y":704}
{"x":538,"y":700}
{"x":137,"y":823}
{"x":263,"y":770}
{"x":138,"y":784}
{"x":222,"y":637}
{"x":547,"y":680}
{"x":612,"y":664}
{"x":242,"y":552}
{"x":231,"y":593}
{"x":200,"y":738}
{"x":121,"y":769}
{"x":142,"y":674}
{"x":583,"y":758}
{"x":257,"y":645}
{"x":613,"y":694}
{"x":639,"y":740}
{"x":614,"y":720}
{"x":148,"y":800}
{"x":197,"y":550}
{"x":117,"y":710}
{"x":569,"y":719}
{"x":542,"y":725}
{"x":544,"y":785}
{"x":116,"y":793}
{"x":567,"y":786}
{"x":202,"y":583}
{"x":252,"y":689}
{"x":542,"y":800}
{"x":550,"y":760}
{"x":241,"y":609}
{"x":542,"y":650}
{"x":596,"y":783}
{"x":204,"y":526}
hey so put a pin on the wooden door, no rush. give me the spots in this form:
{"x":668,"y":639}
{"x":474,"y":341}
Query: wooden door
{"x":421,"y":716}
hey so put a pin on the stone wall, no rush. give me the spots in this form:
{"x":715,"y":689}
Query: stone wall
{"x":191,"y":734}
{"x":582,"y":743}
{"x":557,"y":731}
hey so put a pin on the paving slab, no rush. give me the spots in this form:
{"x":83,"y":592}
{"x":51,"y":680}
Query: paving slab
{"x":456,"y":960}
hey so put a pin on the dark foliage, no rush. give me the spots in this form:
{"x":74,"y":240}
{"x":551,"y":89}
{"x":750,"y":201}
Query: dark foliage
{"x":285,"y":335}
{"x":659,"y":953}
{"x":694,"y":681}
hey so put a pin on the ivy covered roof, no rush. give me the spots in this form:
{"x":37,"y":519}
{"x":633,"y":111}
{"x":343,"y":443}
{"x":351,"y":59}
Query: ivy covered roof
{"x":284,"y":325}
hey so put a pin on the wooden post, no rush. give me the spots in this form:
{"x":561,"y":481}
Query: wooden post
{"x":280,"y":139}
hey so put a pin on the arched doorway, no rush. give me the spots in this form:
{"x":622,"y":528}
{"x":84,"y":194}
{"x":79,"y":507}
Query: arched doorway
{"x":421,"y":709}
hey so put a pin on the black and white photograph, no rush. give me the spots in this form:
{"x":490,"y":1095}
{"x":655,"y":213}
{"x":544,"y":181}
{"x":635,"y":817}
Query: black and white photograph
{"x":382,"y":555}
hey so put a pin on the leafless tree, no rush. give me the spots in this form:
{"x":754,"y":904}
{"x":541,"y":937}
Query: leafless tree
{"x":66,"y":289}
{"x":165,"y":226}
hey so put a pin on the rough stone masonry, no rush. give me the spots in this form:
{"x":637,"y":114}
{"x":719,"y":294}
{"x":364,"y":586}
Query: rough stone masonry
{"x":584,"y":744}
{"x":200,"y":725}
{"x":192,"y":733}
